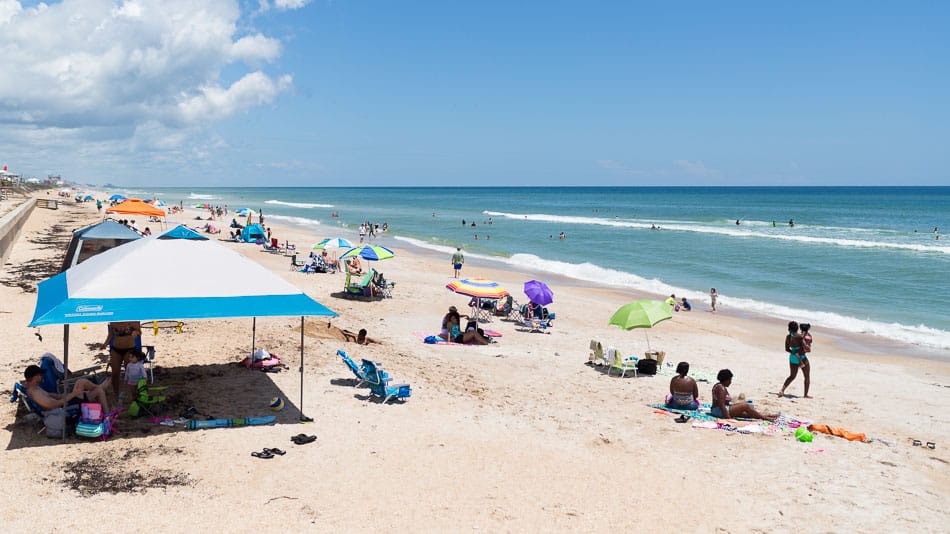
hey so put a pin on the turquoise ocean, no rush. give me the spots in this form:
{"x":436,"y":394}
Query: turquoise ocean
{"x":858,"y":259}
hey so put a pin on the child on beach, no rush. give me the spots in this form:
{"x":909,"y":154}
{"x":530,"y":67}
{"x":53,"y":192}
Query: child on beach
{"x":134,"y":371}
{"x":713,"y":295}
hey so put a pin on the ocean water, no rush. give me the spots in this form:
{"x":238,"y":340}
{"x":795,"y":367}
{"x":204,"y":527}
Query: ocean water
{"x":862,"y":260}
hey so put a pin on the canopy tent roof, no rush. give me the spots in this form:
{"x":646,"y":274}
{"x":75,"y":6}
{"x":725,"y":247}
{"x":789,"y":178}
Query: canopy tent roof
{"x":135,"y":206}
{"x":92,"y":240}
{"x":179,"y":274}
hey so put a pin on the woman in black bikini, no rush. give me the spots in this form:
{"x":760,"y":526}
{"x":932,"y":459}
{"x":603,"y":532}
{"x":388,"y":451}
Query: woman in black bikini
{"x":123,"y":338}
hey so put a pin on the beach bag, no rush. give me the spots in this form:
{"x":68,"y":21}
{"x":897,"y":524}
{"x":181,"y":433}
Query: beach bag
{"x":90,"y":424}
{"x":646,"y":367}
{"x":54,"y":420}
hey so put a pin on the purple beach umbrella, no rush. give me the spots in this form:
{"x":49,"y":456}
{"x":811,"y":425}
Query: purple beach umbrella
{"x":538,"y":292}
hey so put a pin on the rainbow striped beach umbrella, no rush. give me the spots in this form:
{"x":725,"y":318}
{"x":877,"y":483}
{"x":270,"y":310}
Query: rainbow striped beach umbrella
{"x":479,"y":288}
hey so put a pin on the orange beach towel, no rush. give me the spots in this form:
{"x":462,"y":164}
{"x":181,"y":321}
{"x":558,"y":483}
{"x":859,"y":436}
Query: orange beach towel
{"x":840,"y":432}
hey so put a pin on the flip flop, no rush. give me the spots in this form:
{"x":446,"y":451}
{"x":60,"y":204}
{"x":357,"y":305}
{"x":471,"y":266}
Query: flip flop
{"x":682,"y":418}
{"x":931,"y":445}
{"x":917,"y":443}
{"x":301,"y":439}
{"x":263,"y":454}
{"x":275,"y":451}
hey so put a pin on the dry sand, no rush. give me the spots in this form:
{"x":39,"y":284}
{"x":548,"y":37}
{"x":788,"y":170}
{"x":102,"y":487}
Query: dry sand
{"x":518,"y":436}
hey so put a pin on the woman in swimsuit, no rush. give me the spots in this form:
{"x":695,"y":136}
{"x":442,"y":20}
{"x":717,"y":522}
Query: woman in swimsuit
{"x":123,"y":338}
{"x":722,"y":407}
{"x":794,"y":346}
{"x":684,"y":392}
{"x":457,"y":336}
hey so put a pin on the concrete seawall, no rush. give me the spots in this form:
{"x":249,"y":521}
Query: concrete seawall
{"x":10,"y":226}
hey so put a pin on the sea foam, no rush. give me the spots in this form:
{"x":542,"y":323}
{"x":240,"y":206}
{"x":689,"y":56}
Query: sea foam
{"x":306,"y":205}
{"x":736,"y":231}
{"x":595,"y":274}
{"x":299,"y":221}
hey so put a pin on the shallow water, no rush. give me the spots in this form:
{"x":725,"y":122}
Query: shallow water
{"x":862,"y":260}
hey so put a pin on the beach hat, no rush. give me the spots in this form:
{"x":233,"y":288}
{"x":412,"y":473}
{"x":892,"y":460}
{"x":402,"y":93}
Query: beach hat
{"x":453,"y":309}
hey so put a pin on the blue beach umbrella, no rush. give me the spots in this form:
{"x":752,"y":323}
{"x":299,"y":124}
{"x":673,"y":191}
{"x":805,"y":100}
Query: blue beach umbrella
{"x":369,"y":252}
{"x":244,"y":212}
{"x":333,"y":242}
{"x":117,"y":197}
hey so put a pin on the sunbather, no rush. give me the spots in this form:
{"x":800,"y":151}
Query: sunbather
{"x":470,"y":336}
{"x":123,"y":337}
{"x":722,"y":407}
{"x":684,"y":392}
{"x":83,"y":391}
{"x":354,"y":266}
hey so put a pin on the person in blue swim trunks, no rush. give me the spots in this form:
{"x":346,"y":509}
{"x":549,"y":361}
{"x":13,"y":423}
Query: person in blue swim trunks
{"x":797,"y":358}
{"x":722,"y":407}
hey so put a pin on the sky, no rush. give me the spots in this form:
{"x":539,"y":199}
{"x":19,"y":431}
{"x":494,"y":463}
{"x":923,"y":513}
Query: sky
{"x":452,"y":93}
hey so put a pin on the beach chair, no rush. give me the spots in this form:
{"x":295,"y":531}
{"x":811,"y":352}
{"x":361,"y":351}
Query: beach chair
{"x":383,"y":287}
{"x":618,"y":362}
{"x":52,"y":419}
{"x":514,"y":313}
{"x":361,"y":289}
{"x":356,"y":369}
{"x":146,"y":402}
{"x":295,"y":265}
{"x":379,"y":383}
{"x":597,"y":356}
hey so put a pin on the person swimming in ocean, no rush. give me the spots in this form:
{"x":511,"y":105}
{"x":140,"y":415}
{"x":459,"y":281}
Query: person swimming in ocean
{"x":791,"y":223}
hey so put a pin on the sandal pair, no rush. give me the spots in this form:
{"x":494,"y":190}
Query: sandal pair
{"x":268,"y":453}
{"x":303,"y":439}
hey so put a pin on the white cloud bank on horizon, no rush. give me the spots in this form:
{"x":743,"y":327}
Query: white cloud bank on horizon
{"x":105,"y":71}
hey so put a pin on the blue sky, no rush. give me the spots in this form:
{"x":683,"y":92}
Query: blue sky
{"x":464,"y":93}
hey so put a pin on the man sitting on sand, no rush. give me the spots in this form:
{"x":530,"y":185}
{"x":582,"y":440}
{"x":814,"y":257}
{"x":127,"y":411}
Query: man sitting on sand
{"x":354,"y":266}
{"x":83,"y":391}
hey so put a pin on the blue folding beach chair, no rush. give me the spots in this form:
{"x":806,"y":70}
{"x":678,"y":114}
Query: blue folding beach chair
{"x":379,"y":383}
{"x":353,"y":367}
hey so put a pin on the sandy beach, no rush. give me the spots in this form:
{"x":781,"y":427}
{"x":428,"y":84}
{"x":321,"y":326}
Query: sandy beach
{"x":517,"y":436}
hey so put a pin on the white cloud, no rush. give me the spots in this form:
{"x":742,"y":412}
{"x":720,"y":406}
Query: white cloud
{"x":695,"y":168}
{"x":118,"y":66}
{"x":214,"y":102}
{"x":290,"y":4}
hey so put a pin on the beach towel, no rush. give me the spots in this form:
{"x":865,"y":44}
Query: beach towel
{"x":194,"y":424}
{"x":700,"y":414}
{"x":840,"y":432}
{"x":434,"y":339}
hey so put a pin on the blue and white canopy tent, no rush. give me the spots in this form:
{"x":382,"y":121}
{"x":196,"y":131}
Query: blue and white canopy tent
{"x":179,"y":274}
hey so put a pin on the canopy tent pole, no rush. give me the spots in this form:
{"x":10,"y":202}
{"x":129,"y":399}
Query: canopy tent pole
{"x":65,"y":348}
{"x":253,"y":338}
{"x":65,"y":373}
{"x":303,"y":418}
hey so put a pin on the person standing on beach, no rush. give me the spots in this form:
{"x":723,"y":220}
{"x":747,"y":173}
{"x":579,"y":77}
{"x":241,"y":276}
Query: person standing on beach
{"x":457,"y":260}
{"x":795,"y":347}
{"x":713,"y":295}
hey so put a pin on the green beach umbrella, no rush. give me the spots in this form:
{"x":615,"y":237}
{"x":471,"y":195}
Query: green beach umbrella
{"x":369,"y":252}
{"x":641,"y":314}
